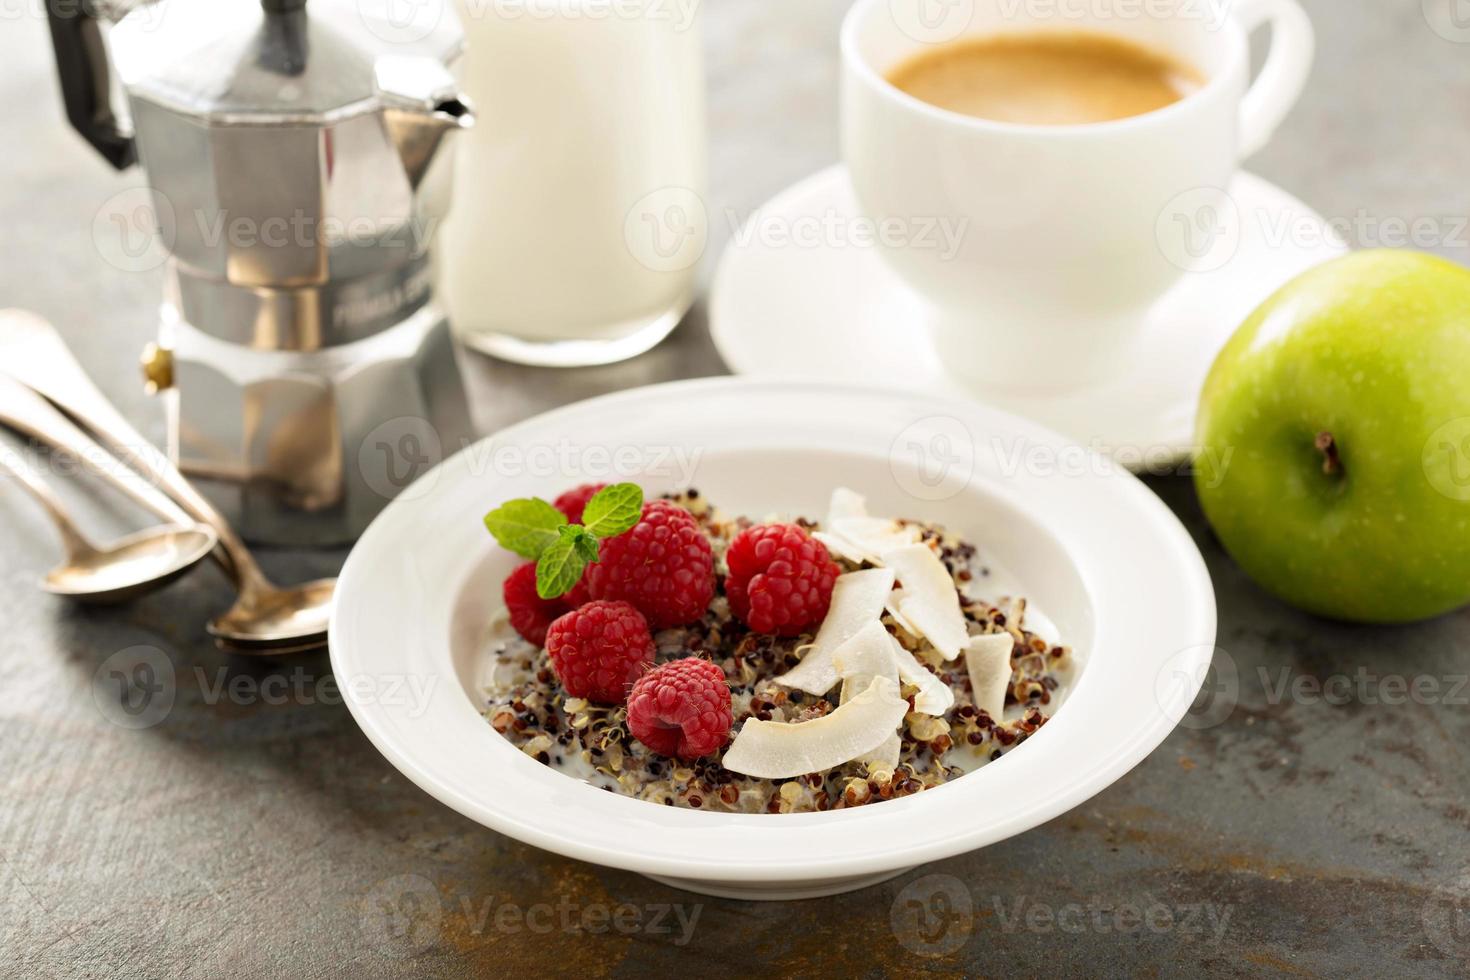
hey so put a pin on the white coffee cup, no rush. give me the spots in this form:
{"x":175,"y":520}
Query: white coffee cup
{"x":1060,"y":247}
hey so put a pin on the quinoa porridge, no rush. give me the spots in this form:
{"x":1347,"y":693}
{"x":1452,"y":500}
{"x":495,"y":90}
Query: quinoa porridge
{"x":957,"y":730}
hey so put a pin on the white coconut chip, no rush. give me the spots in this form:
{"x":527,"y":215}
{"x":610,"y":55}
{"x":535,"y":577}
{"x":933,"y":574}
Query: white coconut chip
{"x":845,"y":503}
{"x":851,"y":533}
{"x":988,"y":659}
{"x":867,"y":655}
{"x":892,"y":606}
{"x":935,"y":697}
{"x":873,"y":536}
{"x":840,"y":547}
{"x":929,"y":601}
{"x":781,"y":750}
{"x":885,"y":756}
{"x":857,"y":600}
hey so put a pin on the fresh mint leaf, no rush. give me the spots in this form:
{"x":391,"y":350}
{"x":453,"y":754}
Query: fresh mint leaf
{"x":586,"y":545}
{"x":613,"y":510}
{"x":535,"y":529}
{"x":560,"y":566}
{"x":528,"y":526}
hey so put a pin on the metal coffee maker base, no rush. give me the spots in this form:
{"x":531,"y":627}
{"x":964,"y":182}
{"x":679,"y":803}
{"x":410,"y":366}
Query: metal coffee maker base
{"x":305,"y":448}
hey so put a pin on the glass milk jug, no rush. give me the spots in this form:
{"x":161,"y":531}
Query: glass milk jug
{"x":580,"y":214}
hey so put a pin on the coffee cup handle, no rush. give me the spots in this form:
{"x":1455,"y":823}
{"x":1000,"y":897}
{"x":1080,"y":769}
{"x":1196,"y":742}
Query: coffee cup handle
{"x":1284,"y":74}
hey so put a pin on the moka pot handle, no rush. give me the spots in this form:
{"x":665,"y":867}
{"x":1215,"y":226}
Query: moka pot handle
{"x":82,"y":67}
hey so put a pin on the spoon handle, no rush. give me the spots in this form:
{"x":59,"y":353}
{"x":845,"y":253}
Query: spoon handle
{"x":25,"y":475}
{"x":26,"y":412}
{"x":34,"y":354}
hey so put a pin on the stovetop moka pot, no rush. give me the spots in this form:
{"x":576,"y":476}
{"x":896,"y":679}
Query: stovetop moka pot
{"x":295,"y":154}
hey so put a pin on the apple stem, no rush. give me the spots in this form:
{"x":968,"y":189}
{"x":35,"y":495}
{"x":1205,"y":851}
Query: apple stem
{"x":1327,"y":446}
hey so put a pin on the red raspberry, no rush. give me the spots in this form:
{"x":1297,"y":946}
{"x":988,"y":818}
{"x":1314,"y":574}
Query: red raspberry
{"x":574,"y":501}
{"x":664,"y":566}
{"x":599,"y":649}
{"x":682,"y":708}
{"x":579,"y":596}
{"x":780,"y":579}
{"x":529,"y":613}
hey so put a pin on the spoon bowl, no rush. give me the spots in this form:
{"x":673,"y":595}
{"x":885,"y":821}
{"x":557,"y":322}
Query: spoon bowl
{"x":286,"y":619}
{"x":130,"y":567}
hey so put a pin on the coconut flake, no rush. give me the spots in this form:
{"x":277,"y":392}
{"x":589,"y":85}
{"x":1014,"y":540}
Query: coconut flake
{"x":885,"y":756}
{"x":781,"y":750}
{"x":851,"y":533}
{"x":892,"y":607}
{"x":874,"y":535}
{"x":988,"y":659}
{"x":845,"y":503}
{"x":857,"y":600}
{"x":867,"y":655}
{"x":935,"y":697}
{"x":840,"y":547}
{"x":929,"y":601}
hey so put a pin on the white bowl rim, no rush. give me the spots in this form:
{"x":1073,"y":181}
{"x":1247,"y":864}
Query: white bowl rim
{"x":635,"y":835}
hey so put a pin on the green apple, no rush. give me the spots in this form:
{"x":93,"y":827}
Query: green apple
{"x":1334,"y":439}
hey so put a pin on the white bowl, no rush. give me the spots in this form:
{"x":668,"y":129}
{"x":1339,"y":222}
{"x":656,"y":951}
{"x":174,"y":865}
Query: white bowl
{"x":1092,"y":547}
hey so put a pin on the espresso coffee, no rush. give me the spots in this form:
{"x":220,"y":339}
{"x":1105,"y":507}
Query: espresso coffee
{"x":1046,"y":78}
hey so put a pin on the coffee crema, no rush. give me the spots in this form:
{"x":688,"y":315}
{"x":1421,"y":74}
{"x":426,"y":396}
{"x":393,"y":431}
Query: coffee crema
{"x":1046,"y":78}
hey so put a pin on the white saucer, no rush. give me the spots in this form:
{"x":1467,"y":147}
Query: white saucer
{"x":800,"y":303}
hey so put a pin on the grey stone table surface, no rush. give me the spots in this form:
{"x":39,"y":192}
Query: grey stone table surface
{"x":255,"y":832}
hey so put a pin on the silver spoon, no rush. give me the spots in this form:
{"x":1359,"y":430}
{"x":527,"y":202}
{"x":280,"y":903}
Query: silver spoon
{"x":264,"y":617}
{"x":127,"y":568}
{"x":27,"y":413}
